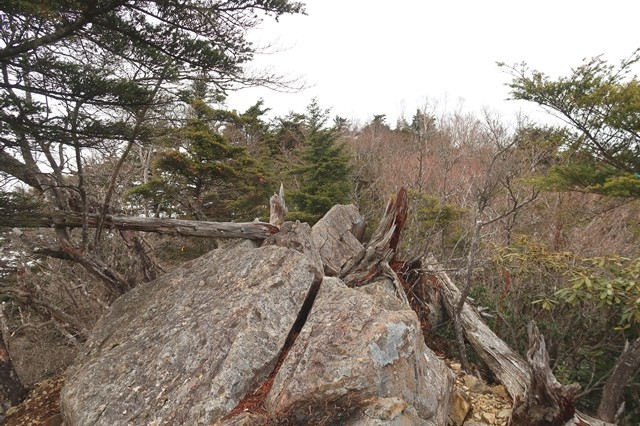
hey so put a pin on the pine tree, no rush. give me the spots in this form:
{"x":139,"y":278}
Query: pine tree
{"x":85,"y":81}
{"x":204,"y":176}
{"x":324,"y":173}
{"x":601,"y":105}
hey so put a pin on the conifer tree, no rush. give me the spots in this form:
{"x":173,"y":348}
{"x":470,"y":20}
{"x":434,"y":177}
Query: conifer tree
{"x":85,"y":81}
{"x":324,"y":172}
{"x":601,"y":105}
{"x":201,"y":174}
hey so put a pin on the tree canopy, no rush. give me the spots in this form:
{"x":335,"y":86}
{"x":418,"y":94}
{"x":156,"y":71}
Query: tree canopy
{"x":324,"y":170}
{"x":94,"y":80}
{"x":601,"y":103}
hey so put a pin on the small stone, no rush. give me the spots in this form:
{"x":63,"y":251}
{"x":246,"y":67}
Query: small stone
{"x":489,"y":417}
{"x":500,"y":391}
{"x":504,"y":414}
{"x":475,"y":384}
{"x":458,"y":407}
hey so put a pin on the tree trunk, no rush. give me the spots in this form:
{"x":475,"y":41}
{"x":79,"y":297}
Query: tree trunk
{"x":547,"y":402}
{"x":625,"y":369}
{"x":115,"y":283}
{"x":149,"y":265}
{"x":51,"y":309}
{"x":526,"y":383}
{"x":277,"y":208}
{"x":11,"y":390}
{"x":383,"y":244}
{"x":186,"y":228}
{"x":510,"y":368}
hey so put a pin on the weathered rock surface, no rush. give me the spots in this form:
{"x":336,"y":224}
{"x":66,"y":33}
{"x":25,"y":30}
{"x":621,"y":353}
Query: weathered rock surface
{"x":297,"y":236}
{"x":186,"y":348}
{"x":353,"y":353}
{"x":335,"y":236}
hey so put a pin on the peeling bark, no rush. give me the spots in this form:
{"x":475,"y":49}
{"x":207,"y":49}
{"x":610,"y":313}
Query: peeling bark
{"x":277,"y":208}
{"x":381,"y":249}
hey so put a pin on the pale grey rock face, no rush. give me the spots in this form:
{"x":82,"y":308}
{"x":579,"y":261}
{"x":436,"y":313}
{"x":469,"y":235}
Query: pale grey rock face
{"x":297,"y":236}
{"x":352,"y":353}
{"x":334,"y":237}
{"x":187,"y":347}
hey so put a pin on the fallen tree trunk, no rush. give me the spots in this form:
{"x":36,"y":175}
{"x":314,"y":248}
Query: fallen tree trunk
{"x":539,"y":399}
{"x":185,"y":228}
{"x":510,"y":368}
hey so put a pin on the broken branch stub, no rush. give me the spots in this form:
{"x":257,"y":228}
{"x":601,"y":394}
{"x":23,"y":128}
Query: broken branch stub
{"x":547,"y":402}
{"x":382,"y":247}
{"x":277,"y":208}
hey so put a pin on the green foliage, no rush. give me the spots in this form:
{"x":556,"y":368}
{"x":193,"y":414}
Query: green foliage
{"x":289,"y":134}
{"x":601,"y":104}
{"x":434,"y":215}
{"x":585,"y":307}
{"x":18,"y":202}
{"x":611,"y":283}
{"x":91,"y":74}
{"x":205,"y":176}
{"x":324,"y":172}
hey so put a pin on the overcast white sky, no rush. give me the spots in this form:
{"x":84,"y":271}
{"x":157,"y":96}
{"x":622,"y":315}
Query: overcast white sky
{"x":366,"y":57}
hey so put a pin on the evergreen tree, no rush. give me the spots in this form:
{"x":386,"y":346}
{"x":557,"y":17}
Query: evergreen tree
{"x":203,"y":175}
{"x":601,"y":105}
{"x":91,"y":79}
{"x":324,"y":172}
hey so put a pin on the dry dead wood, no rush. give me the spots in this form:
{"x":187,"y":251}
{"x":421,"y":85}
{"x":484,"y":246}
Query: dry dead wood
{"x":510,"y":368}
{"x":539,"y":399}
{"x":383,"y":244}
{"x":185,"y":228}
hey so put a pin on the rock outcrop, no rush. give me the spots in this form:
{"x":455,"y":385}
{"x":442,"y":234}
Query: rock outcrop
{"x":187,"y":347}
{"x":336,"y":237}
{"x":192,"y":345}
{"x":355,"y":360}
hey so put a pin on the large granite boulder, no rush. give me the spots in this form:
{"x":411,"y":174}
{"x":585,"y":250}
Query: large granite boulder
{"x":337,"y":236}
{"x":361,"y":359}
{"x":195,"y":344}
{"x":187,"y":347}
